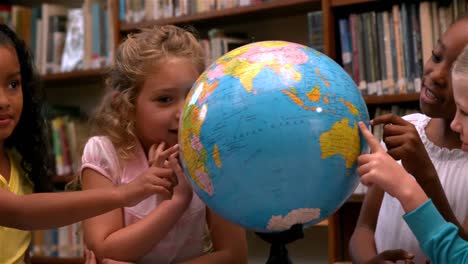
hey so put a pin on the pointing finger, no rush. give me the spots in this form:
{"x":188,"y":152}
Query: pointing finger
{"x":374,"y":144}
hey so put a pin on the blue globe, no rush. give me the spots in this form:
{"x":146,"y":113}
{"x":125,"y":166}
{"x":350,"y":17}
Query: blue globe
{"x":269,"y":136}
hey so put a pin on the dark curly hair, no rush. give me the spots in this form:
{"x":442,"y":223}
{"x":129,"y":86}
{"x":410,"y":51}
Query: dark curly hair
{"x":30,"y":136}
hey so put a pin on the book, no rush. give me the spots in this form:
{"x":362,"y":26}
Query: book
{"x":73,"y":55}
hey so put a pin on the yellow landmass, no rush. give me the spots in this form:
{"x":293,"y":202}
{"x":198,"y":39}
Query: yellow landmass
{"x":208,"y":88}
{"x":195,"y":160}
{"x":314,"y":94}
{"x":272,"y":44}
{"x":216,"y":156}
{"x":285,"y":69}
{"x":294,"y":97}
{"x":343,"y":140}
{"x":326,"y":100}
{"x":246,"y":70}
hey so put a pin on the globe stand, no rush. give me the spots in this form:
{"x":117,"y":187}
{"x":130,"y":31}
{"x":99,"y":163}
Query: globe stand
{"x":278,"y":241}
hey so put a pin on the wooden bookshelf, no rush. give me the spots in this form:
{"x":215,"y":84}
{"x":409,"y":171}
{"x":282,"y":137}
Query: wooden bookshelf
{"x":337,"y":3}
{"x":391,"y":99}
{"x":56,"y":260}
{"x":81,"y":75}
{"x":356,"y":198}
{"x":265,"y":9}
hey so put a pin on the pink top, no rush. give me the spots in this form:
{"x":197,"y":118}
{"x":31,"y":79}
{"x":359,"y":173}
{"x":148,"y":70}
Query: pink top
{"x":185,"y":240}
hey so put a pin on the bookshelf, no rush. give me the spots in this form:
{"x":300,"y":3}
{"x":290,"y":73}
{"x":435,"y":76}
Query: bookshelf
{"x":265,"y":16}
{"x":78,"y":75}
{"x":264,"y":9}
{"x":337,"y":3}
{"x":391,"y":99}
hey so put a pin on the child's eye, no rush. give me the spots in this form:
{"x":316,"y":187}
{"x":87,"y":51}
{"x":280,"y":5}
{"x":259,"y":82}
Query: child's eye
{"x":14,"y":84}
{"x":164,"y":99}
{"x":436,"y":58}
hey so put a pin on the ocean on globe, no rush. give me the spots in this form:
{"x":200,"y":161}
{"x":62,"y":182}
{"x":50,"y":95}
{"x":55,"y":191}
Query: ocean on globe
{"x":269,"y":136}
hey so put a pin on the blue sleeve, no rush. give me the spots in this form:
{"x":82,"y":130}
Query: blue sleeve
{"x":438,"y":239}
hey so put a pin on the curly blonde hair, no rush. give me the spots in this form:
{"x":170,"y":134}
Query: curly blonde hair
{"x":140,"y":54}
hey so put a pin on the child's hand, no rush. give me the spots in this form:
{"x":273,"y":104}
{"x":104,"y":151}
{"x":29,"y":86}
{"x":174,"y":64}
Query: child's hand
{"x":159,"y":157}
{"x":90,"y":258}
{"x":153,"y":181}
{"x":183,"y":189}
{"x":379,"y":168}
{"x":392,"y":256}
{"x":403,"y":143}
{"x":156,"y":180}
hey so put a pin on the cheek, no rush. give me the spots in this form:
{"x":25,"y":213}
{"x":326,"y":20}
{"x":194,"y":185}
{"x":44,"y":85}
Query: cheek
{"x":18,"y":101}
{"x":464,"y":126}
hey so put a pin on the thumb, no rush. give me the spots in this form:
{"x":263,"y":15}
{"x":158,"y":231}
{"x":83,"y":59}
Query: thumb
{"x":374,"y":144}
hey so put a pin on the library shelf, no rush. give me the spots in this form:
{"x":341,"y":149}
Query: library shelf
{"x":80,"y":75}
{"x":391,"y":99}
{"x":337,"y":3}
{"x":264,"y":9}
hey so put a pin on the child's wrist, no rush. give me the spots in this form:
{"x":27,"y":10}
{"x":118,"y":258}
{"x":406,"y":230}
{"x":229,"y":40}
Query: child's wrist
{"x":411,"y":195}
{"x":119,"y":197}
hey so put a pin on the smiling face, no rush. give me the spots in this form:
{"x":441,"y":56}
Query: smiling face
{"x":11,"y":94}
{"x":460,"y":122}
{"x":160,"y":101}
{"x":436,"y":98}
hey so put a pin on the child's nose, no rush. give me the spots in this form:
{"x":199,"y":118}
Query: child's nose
{"x":455,"y":124}
{"x":4,"y":102}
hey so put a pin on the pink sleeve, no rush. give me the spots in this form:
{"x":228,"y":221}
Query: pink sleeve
{"x":99,"y":154}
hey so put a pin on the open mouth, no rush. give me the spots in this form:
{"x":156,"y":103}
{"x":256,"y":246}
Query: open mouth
{"x":429,"y":96}
{"x":174,"y":131}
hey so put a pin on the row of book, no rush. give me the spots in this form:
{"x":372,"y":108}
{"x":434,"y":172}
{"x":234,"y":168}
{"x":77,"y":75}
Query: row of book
{"x":134,"y":11}
{"x":64,"y":242}
{"x":385,"y":52}
{"x":68,"y":138}
{"x":220,"y":42}
{"x":65,"y":39}
{"x":393,"y":109}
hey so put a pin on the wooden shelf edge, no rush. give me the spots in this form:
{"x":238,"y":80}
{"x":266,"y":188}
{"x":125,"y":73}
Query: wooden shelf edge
{"x":389,"y":99}
{"x":322,"y":223}
{"x":56,"y":260}
{"x":79,"y":74}
{"x":356,"y":198}
{"x":218,"y":14}
{"x":337,"y":3}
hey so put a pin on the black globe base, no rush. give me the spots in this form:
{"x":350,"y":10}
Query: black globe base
{"x":278,"y":251}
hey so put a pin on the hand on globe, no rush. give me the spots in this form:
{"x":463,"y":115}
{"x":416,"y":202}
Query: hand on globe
{"x":183,"y":190}
{"x":379,"y":168}
{"x":403,"y":143}
{"x":158,"y":156}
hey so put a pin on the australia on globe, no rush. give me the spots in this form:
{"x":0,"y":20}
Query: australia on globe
{"x":269,"y":136}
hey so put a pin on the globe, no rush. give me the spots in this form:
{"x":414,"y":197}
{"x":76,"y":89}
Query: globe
{"x":269,"y":136}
